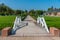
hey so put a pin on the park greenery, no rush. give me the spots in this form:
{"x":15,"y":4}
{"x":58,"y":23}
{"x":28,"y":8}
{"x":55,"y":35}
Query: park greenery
{"x":6,"y":21}
{"x":52,"y":21}
{"x":35,"y":13}
{"x":8,"y":15}
{"x":5,"y":11}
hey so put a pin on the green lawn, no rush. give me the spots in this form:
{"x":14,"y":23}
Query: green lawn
{"x":6,"y":21}
{"x":52,"y":21}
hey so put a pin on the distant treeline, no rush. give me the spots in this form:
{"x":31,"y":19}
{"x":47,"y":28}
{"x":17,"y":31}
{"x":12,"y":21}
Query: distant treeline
{"x":5,"y":10}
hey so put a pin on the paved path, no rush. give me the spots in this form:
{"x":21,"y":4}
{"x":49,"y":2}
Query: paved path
{"x":29,"y":38}
{"x":29,"y":18}
{"x":31,"y":29}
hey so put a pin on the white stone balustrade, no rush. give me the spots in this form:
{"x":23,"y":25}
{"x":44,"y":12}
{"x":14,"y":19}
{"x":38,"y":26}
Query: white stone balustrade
{"x":18,"y":24}
{"x":41,"y":21}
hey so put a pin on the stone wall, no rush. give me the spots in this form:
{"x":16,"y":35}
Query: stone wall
{"x":55,"y":31}
{"x":58,"y":14}
{"x":6,"y":31}
{"x":52,"y":14}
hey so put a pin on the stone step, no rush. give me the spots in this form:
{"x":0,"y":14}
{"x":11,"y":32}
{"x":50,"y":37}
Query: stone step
{"x":31,"y":29}
{"x":31,"y":35}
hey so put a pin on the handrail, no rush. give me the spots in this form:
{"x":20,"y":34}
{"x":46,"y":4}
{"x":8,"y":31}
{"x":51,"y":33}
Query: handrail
{"x":41,"y":21}
{"x":14,"y":25}
{"x":18,"y":24}
{"x":45,"y":25}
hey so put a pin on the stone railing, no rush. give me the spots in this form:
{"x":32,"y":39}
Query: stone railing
{"x":41,"y":21}
{"x":18,"y":24}
{"x":54,"y":31}
{"x":6,"y":31}
{"x":17,"y":21}
{"x":44,"y":24}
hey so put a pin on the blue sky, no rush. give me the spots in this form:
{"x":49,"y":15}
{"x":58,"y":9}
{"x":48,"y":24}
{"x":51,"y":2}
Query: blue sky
{"x":31,"y":4}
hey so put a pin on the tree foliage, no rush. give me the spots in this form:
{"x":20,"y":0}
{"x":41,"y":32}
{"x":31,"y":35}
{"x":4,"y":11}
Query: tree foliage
{"x":5,"y":10}
{"x":50,"y":8}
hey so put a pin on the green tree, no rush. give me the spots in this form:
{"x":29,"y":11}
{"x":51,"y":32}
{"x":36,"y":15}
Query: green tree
{"x":5,"y":9}
{"x":18,"y":12}
{"x":39,"y":12}
{"x":50,"y":8}
{"x":32,"y":12}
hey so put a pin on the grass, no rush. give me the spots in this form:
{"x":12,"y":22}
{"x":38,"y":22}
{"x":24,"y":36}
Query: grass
{"x":6,"y":21}
{"x":52,"y":21}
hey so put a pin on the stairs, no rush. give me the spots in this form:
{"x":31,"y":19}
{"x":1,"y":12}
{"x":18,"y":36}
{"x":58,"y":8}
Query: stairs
{"x":18,"y":24}
{"x":31,"y":29}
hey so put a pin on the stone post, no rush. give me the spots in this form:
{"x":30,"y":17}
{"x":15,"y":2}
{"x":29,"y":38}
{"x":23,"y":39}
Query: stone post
{"x":6,"y":31}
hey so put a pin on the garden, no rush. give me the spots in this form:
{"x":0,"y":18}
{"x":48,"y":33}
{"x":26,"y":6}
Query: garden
{"x":7,"y":17}
{"x":52,"y":21}
{"x":6,"y":21}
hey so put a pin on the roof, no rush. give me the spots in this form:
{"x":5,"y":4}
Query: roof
{"x":54,"y":10}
